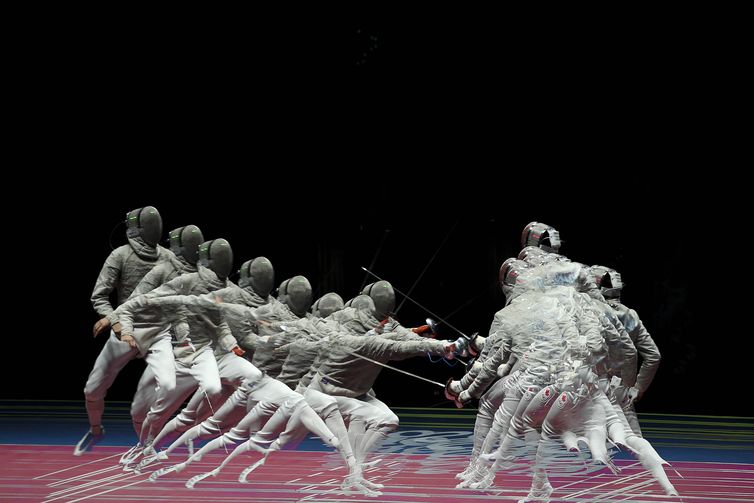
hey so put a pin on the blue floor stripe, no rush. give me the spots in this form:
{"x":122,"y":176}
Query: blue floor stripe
{"x":676,"y":438}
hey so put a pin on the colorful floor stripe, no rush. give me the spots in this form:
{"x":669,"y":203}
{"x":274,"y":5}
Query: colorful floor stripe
{"x":50,"y":473}
{"x":713,"y":459}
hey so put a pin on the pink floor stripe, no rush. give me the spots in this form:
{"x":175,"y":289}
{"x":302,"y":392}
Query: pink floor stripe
{"x":51,"y":473}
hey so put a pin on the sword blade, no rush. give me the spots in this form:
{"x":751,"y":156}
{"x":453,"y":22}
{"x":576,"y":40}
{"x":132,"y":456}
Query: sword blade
{"x":397,"y":370}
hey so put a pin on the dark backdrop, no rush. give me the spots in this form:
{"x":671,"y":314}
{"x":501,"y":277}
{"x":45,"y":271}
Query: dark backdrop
{"x":310,"y":146}
{"x":654,"y":236}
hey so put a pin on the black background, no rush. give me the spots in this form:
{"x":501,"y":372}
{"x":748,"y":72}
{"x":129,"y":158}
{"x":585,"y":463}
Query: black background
{"x":651,"y":234}
{"x":310,"y":145}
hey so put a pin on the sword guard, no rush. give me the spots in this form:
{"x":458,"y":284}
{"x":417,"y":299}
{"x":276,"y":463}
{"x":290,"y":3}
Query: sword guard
{"x":473,"y":349}
{"x":448,"y":391}
{"x":470,"y":364}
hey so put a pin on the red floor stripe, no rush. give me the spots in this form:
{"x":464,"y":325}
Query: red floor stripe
{"x":316,"y":476}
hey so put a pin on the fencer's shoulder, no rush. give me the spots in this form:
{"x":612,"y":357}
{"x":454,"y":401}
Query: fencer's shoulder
{"x":268,"y":308}
{"x":273,"y":303}
{"x":186,"y":278}
{"x":182,"y":280}
{"x":632,"y":320}
{"x":328,"y":322}
{"x":121,"y":252}
{"x":230,"y":291}
{"x":344,"y":314}
{"x":627,"y":316}
{"x":618,"y":307}
{"x":165,"y":254}
{"x":168,"y":262}
{"x":231,"y":288}
{"x":605,"y":309}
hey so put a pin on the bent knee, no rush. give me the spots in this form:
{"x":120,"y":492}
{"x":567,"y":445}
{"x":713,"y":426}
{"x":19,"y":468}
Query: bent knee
{"x":138,"y":412}
{"x":325,"y":406}
{"x":165,"y":383}
{"x":94,"y":394}
{"x":388,"y":422}
{"x":213,"y":389}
